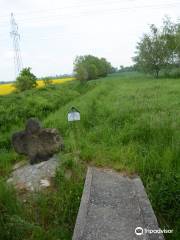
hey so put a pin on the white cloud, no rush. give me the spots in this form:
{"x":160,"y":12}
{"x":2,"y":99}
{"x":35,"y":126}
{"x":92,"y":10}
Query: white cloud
{"x":8,"y":54}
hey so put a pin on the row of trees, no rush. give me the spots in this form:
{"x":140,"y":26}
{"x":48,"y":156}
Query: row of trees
{"x":89,"y":67}
{"x":126,"y":69}
{"x":27,"y":80}
{"x":160,"y":49}
{"x":85,"y":68}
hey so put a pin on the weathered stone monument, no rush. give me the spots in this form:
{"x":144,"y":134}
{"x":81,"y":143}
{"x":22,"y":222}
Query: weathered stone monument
{"x":38,"y":143}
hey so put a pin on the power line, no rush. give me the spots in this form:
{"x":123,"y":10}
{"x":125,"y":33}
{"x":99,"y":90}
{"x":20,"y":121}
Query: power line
{"x":84,"y":4}
{"x":55,"y":13}
{"x":105,"y":11}
{"x":54,"y":18}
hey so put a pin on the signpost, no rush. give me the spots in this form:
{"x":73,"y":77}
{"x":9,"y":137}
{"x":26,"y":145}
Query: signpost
{"x":73,"y":117}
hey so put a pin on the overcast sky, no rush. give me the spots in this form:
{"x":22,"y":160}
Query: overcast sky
{"x":54,"y":32}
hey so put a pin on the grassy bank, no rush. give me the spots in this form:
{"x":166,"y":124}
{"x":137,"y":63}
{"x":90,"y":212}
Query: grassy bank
{"x":128,"y":122}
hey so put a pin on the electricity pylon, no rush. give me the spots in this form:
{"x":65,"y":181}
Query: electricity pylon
{"x":17,"y":53}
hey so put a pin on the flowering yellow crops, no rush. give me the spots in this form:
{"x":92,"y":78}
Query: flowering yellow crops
{"x":9,"y":88}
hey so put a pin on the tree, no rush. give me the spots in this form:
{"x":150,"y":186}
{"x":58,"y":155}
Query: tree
{"x":169,"y":35}
{"x":121,"y":68}
{"x":80,"y":69}
{"x":26,"y":80}
{"x":81,"y":73}
{"x":160,"y":50}
{"x":126,"y":69}
{"x":178,"y":41}
{"x":92,"y":71}
{"x":89,"y":67}
{"x":106,"y":67}
{"x":47,"y":81}
{"x":151,"y":52}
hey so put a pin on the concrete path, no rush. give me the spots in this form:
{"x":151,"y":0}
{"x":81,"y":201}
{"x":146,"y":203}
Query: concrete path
{"x":112,"y":207}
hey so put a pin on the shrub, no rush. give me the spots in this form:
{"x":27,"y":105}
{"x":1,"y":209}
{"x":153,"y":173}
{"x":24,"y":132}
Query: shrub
{"x":47,"y":81}
{"x":26,"y":80}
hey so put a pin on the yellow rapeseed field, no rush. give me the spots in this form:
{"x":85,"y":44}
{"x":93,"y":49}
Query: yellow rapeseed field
{"x":9,"y":88}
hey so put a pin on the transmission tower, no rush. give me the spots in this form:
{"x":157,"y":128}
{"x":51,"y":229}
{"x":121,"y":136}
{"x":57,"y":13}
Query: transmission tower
{"x":17,"y":53}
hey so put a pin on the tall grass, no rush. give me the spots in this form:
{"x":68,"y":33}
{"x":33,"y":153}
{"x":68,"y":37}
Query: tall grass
{"x":128,"y":123}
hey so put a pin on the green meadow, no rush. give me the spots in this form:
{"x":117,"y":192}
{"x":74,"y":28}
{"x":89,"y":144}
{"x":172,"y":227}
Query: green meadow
{"x":129,"y":122}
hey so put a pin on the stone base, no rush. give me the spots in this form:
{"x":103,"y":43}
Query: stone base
{"x":33,"y":177}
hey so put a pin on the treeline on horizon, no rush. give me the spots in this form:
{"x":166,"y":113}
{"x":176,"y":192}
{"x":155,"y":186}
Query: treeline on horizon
{"x":157,"y":53}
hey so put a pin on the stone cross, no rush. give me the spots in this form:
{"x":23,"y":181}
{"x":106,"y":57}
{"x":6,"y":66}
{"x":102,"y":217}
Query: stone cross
{"x":38,"y":143}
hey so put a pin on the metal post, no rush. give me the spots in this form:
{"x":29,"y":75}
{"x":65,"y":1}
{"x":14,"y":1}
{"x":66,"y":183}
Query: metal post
{"x":17,"y":53}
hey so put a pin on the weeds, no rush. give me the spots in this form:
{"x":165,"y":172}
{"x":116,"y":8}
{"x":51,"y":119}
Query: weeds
{"x":129,"y":123}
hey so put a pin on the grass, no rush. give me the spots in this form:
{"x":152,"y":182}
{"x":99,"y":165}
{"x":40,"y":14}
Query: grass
{"x":9,"y":87}
{"x":129,"y":122}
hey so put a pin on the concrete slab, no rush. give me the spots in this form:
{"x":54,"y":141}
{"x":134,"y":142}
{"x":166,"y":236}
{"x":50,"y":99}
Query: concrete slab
{"x":112,"y":207}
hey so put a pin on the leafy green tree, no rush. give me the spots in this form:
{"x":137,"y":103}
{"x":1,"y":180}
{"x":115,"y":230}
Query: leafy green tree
{"x":127,"y":69}
{"x":169,"y":35}
{"x":26,"y":80}
{"x":47,"y":81}
{"x":160,"y":50}
{"x":151,"y":52}
{"x":92,"y":71}
{"x":106,"y":67}
{"x":178,"y":41}
{"x":81,"y":73}
{"x":121,"y":68}
{"x":80,"y":69}
{"x":89,"y":67}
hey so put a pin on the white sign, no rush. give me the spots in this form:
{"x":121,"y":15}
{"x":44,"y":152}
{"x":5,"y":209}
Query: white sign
{"x":73,"y":116}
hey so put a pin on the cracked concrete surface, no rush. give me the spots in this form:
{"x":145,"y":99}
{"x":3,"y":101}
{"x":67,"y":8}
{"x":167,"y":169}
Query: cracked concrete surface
{"x":112,"y":207}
